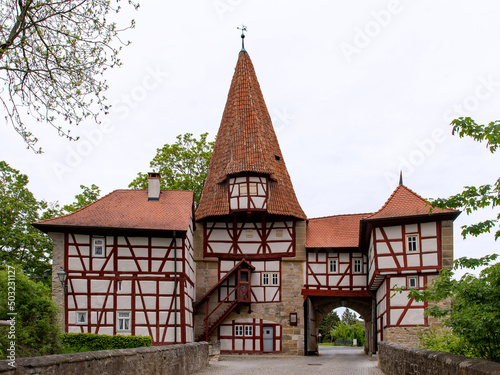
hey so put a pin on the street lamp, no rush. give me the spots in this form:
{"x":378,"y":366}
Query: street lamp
{"x":62,"y":278}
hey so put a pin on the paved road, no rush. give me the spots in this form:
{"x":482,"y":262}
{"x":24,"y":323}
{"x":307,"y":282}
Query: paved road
{"x":331,"y":361}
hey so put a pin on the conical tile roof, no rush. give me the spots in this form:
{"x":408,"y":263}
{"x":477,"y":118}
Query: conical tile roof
{"x":246,"y":143}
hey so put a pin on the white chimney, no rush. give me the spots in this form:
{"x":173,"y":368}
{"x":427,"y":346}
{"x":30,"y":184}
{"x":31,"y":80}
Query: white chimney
{"x":153,"y":186}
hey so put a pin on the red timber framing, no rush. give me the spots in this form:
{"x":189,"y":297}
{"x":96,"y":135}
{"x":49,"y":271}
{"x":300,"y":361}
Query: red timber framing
{"x":266,"y":280}
{"x":142,"y":280}
{"x":336,"y":270}
{"x":239,"y":294}
{"x":249,"y":239}
{"x":248,"y":193}
{"x":247,"y":336}
{"x":390,"y":253}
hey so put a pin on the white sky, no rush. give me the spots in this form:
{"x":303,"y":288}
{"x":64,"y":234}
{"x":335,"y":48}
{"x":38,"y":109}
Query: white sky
{"x":357,"y":91}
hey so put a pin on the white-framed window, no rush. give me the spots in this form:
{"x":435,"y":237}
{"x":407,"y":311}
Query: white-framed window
{"x":270,"y":278}
{"x":98,"y":247}
{"x":412,"y":243}
{"x":238,"y":330}
{"x":82,"y":317}
{"x":412,"y":282}
{"x":357,"y":265}
{"x":248,"y":330}
{"x":124,"y":321}
{"x":333,"y":265}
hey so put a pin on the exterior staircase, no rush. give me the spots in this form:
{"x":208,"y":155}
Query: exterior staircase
{"x":240,"y":294}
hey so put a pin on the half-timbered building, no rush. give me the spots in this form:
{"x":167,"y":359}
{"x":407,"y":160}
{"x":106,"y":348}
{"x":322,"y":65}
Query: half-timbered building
{"x":249,"y":268}
{"x":129,"y":264}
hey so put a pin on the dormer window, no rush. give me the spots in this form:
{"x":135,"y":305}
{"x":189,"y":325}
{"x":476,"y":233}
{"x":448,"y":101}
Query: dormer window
{"x":247,"y":193}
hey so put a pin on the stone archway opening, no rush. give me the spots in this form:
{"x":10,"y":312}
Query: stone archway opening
{"x":319,"y":307}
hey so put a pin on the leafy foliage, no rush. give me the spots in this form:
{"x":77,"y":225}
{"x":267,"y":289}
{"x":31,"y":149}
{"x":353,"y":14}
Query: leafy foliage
{"x":348,"y":317}
{"x":36,"y":329}
{"x":20,"y":243}
{"x":92,"y":341}
{"x":354,"y":330}
{"x":474,"y":315}
{"x":182,"y":165}
{"x":327,"y":324}
{"x":475,"y":198}
{"x":52,"y":57}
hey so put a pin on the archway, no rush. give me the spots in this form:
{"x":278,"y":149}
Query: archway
{"x":316,"y":308}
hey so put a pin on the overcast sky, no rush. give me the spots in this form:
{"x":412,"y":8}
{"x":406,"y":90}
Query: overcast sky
{"x":357,"y":91}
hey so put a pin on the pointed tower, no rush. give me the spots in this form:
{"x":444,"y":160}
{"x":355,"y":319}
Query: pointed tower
{"x":247,"y":171}
{"x":251,"y":241}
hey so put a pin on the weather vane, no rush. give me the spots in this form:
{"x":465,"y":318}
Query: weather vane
{"x":243,"y":28}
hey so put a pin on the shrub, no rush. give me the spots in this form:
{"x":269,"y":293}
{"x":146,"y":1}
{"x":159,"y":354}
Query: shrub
{"x":77,"y":342}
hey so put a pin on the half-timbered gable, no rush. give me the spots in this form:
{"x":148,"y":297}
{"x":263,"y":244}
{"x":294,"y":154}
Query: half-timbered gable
{"x":131,"y":277}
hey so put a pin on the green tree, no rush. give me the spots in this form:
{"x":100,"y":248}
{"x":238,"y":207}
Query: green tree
{"x":473,"y":198}
{"x":36,"y":331}
{"x":20,"y":243}
{"x":354,"y":330}
{"x":182,"y":165}
{"x":327,"y":324}
{"x":473,"y":319}
{"x":349,"y":317}
{"x":474,"y":314}
{"x":52,"y":58}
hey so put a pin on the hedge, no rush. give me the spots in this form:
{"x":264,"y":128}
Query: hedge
{"x":92,"y":341}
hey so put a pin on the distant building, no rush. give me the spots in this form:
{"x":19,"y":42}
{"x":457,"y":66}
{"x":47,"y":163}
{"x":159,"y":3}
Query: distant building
{"x":249,"y":268}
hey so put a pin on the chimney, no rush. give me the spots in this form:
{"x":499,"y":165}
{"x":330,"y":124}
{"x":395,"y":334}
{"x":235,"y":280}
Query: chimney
{"x":153,"y":186}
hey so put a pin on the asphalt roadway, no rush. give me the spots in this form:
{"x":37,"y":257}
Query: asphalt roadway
{"x":331,"y":360}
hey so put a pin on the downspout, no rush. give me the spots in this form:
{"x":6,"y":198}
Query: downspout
{"x":175,"y":289}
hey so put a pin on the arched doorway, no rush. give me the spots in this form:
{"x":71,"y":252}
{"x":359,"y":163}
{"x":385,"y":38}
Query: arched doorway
{"x":317,"y":307}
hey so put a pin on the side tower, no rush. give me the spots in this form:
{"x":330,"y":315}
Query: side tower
{"x":249,"y":246}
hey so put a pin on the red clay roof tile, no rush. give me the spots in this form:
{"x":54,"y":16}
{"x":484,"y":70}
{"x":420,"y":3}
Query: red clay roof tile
{"x":246,"y":143}
{"x":130,"y":209}
{"x":338,"y":231}
{"x":405,"y":202}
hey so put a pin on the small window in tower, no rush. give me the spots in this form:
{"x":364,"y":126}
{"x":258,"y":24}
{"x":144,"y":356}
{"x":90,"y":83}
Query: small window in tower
{"x":238,"y":330}
{"x":243,"y":189}
{"x":248,"y":330}
{"x":249,"y":233}
{"x":279,"y":232}
{"x":412,"y":243}
{"x":252,"y":188}
{"x":265,"y":279}
{"x":277,"y":157}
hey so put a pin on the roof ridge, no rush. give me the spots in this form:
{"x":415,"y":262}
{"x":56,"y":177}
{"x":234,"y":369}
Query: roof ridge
{"x":392,"y":196}
{"x":340,"y":215}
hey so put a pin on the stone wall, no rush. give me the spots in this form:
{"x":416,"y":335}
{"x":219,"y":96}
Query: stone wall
{"x":396,"y":359}
{"x":158,"y":360}
{"x":57,"y":265}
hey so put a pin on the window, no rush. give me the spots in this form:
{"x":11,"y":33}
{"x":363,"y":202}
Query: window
{"x":119,"y":285}
{"x":357,"y":265}
{"x":243,"y":189}
{"x":249,"y":233}
{"x":98,"y":247}
{"x":81,"y":317}
{"x":279,"y":232}
{"x":412,"y":282}
{"x":248,"y":330}
{"x":412,"y":243}
{"x":270,"y":279}
{"x":334,"y":264}
{"x":252,"y":188}
{"x":124,"y":321}
{"x":238,"y":330}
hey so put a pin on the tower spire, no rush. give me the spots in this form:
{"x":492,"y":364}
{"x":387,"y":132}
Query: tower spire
{"x":243,"y":29}
{"x":400,"y":178}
